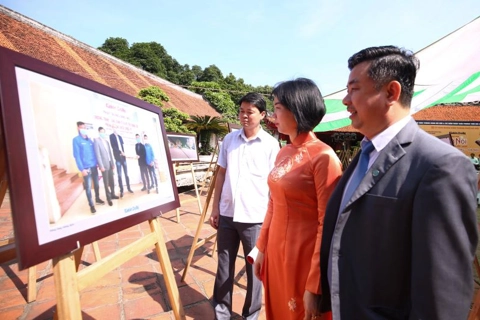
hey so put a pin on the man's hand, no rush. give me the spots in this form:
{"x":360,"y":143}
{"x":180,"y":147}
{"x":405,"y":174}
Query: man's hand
{"x":85,"y":172}
{"x":214,"y":218}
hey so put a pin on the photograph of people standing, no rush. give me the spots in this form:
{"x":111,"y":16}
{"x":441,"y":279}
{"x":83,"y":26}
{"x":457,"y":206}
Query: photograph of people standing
{"x":86,"y":161}
{"x":142,"y":163}
{"x":150,"y":161}
{"x":116,"y":142}
{"x":105,"y":162}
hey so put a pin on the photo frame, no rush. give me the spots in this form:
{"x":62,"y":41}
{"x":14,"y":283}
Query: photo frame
{"x":51,"y":212}
{"x":183,"y":147}
{"x":447,"y":138}
{"x":233,"y":127}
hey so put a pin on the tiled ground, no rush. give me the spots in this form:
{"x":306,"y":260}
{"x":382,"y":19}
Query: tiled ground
{"x":134,"y":290}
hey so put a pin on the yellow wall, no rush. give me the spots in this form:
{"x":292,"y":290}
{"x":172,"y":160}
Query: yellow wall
{"x":462,"y":135}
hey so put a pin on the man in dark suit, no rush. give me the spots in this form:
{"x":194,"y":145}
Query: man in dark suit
{"x":142,"y":163}
{"x":104,"y":155}
{"x":401,"y":244}
{"x":116,"y":141}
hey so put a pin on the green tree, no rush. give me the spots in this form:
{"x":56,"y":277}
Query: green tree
{"x":217,"y":98}
{"x":153,"y":95}
{"x":117,"y":47}
{"x":172,"y":68}
{"x":173,"y":118}
{"x":204,"y":127}
{"x":197,"y":71}
{"x":211,"y":74}
{"x":144,"y":56}
{"x":223,"y":93}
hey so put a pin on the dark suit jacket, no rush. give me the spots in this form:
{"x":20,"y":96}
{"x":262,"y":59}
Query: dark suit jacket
{"x":117,"y":148}
{"x":142,"y":153}
{"x":407,"y":248}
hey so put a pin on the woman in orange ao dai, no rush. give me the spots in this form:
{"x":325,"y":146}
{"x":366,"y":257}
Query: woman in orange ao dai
{"x":305,"y":174}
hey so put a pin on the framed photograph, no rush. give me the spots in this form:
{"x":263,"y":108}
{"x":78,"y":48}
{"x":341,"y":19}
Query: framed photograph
{"x":447,"y":138}
{"x":74,"y":172}
{"x":183,"y":147}
{"x":233,"y":127}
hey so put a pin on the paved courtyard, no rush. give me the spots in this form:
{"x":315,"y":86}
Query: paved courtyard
{"x":136,"y":289}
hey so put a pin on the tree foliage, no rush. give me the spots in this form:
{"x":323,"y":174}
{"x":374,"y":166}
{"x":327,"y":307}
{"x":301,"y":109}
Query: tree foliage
{"x":117,"y":47}
{"x":204,"y":127}
{"x":173,"y":118}
{"x":218,"y":99}
{"x":222,"y":93}
{"x":153,"y":95}
{"x":144,"y":56}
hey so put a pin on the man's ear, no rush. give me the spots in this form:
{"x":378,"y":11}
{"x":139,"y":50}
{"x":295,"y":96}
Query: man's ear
{"x":394,"y":89}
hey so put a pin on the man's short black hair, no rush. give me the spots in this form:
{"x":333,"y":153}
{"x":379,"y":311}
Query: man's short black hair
{"x":390,"y":63}
{"x":80,"y":123}
{"x":256,"y":99}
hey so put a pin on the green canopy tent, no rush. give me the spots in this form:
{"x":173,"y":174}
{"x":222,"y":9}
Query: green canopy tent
{"x":449,"y":73}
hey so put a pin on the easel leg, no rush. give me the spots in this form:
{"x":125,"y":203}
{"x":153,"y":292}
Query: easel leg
{"x":175,"y":167}
{"x":32,"y":284}
{"x":178,"y":215}
{"x":162,"y":253}
{"x":214,"y":247}
{"x":66,"y":287}
{"x":196,"y":189}
{"x":196,"y":243}
{"x":78,"y":258}
{"x":96,"y":251}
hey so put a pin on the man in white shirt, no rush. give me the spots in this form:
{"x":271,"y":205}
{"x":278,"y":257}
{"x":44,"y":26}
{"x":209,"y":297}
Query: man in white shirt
{"x":240,"y":203}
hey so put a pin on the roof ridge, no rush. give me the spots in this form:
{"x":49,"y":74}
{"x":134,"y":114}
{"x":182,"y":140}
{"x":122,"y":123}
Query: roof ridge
{"x":24,"y":19}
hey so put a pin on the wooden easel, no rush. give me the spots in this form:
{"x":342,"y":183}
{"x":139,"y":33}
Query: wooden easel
{"x":205,"y":183}
{"x":8,"y":253}
{"x":196,"y":244}
{"x":69,"y":282}
{"x":8,"y":250}
{"x":185,"y":167}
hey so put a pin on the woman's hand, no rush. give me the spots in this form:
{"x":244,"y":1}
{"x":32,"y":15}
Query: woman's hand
{"x":310,"y":303}
{"x":257,"y":266}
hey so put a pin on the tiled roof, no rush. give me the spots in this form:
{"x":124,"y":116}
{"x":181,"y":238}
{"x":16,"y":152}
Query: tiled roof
{"x":449,"y":113}
{"x":31,"y":38}
{"x":454,"y":113}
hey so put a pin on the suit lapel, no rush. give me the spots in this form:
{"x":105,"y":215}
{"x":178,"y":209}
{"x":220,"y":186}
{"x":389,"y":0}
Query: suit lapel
{"x":392,"y":153}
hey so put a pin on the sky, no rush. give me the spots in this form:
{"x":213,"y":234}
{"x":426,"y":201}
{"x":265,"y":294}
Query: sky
{"x":261,"y":41}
